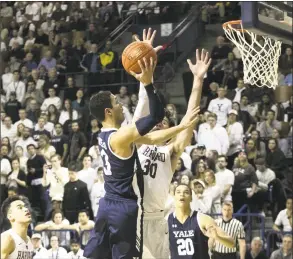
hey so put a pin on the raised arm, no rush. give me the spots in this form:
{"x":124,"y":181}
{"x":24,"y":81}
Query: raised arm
{"x":127,"y":135}
{"x":142,"y":109}
{"x":198,"y":70}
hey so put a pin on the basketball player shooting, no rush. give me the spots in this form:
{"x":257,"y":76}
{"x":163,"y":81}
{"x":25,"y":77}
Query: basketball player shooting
{"x":15,"y":244}
{"x":189,"y":230}
{"x":115,"y":227}
{"x":159,"y":161}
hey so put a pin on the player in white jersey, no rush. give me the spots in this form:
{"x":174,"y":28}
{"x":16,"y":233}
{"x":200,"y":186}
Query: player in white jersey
{"x":159,"y":163}
{"x":15,"y":244}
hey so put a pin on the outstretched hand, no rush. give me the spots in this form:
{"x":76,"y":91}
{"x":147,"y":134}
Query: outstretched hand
{"x":190,"y":118}
{"x":202,"y":64}
{"x":148,"y":37}
{"x":147,"y":70}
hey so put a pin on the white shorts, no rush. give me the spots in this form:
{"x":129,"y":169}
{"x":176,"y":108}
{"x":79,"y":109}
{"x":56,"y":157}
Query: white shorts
{"x":155,"y":236}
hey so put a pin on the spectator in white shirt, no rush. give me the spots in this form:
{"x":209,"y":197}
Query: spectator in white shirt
{"x":284,"y":218}
{"x":203,"y":126}
{"x":266,"y":127}
{"x":15,"y":38}
{"x":5,"y":170}
{"x":22,"y":119}
{"x":213,"y":190}
{"x":52,"y":99}
{"x":49,"y":126}
{"x":221,"y":106}
{"x":67,"y":113}
{"x":215,"y":138}
{"x":98,"y":191}
{"x":16,"y":86}
{"x":8,"y":130}
{"x":224,"y":178}
{"x":251,"y":108}
{"x":7,"y":78}
{"x":87,"y":174}
{"x":94,"y":152}
{"x":39,"y":250}
{"x":6,"y":11}
{"x":56,"y":178}
{"x":200,"y":202}
{"x":48,"y":25}
{"x":235,"y":134}
{"x":26,"y":140}
{"x":56,"y":252}
{"x":75,"y":251}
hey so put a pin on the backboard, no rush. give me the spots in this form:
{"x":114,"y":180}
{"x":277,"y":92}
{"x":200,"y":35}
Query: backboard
{"x":273,"y":19}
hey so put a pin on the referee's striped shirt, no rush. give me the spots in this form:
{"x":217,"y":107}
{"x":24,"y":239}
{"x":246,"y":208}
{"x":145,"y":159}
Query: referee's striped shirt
{"x":234,"y":228}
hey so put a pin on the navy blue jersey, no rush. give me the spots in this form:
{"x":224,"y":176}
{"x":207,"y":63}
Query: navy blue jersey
{"x":118,"y":172}
{"x":186,"y":240}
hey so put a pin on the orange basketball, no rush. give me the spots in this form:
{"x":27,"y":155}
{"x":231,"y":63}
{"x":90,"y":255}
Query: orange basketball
{"x":134,"y":52}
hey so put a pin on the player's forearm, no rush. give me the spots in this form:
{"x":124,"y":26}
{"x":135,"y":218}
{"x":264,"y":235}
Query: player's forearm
{"x":184,"y":137}
{"x":196,"y":91}
{"x":157,"y":112}
{"x":225,"y":240}
{"x":142,"y":109}
{"x":160,"y":136}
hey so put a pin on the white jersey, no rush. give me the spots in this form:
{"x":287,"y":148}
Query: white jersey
{"x":22,"y":249}
{"x":156,"y":164}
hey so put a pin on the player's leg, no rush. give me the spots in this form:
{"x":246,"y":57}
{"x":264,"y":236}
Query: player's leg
{"x":98,"y":246}
{"x":156,"y":238}
{"x":122,"y":218}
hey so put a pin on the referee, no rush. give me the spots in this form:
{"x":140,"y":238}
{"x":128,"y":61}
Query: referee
{"x":233,"y":228}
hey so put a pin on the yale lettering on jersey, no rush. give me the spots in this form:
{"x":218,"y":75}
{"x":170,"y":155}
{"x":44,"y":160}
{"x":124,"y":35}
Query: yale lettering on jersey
{"x":185,"y":233}
{"x":24,"y":255}
{"x":154,"y":155}
{"x":102,"y":143}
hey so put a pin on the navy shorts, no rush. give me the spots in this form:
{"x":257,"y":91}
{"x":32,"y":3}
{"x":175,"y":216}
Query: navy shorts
{"x":114,"y":235}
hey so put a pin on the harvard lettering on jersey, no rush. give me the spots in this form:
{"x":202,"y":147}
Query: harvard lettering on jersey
{"x":118,"y":171}
{"x":234,"y":228}
{"x":156,"y":165}
{"x":186,"y":240}
{"x":23,"y":250}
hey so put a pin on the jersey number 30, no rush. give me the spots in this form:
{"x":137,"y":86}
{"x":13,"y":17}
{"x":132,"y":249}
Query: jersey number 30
{"x":150,"y":168}
{"x":185,"y":246}
{"x":107,"y":166}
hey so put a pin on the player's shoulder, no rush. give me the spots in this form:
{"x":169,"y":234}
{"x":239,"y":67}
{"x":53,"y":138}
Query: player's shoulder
{"x":7,"y":242}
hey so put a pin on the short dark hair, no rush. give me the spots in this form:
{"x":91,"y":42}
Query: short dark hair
{"x":170,"y":120}
{"x":74,"y":166}
{"x":223,"y":156}
{"x":84,"y":211}
{"x":13,"y":189}
{"x":87,"y":155}
{"x":30,"y":145}
{"x":15,"y":71}
{"x":7,"y":203}
{"x":74,"y":241}
{"x":260,"y":161}
{"x":98,"y":103}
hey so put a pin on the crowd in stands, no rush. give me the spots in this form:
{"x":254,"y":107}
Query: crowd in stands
{"x":241,"y":150}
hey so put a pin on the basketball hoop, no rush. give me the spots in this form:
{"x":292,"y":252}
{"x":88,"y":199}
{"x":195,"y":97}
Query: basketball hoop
{"x":260,"y":60}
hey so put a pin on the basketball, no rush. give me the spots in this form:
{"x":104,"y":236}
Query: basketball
{"x":134,"y":52}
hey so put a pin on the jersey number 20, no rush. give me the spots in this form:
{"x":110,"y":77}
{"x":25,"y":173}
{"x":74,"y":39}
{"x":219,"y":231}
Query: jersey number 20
{"x":150,"y":168}
{"x":185,"y":246}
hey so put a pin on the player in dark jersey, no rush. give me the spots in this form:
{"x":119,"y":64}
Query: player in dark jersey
{"x":189,"y":230}
{"x":114,"y":235}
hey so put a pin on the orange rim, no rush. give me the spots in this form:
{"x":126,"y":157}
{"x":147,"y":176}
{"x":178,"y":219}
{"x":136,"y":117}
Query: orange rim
{"x":231,"y":23}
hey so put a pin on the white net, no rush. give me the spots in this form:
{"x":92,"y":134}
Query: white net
{"x":260,"y":55}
